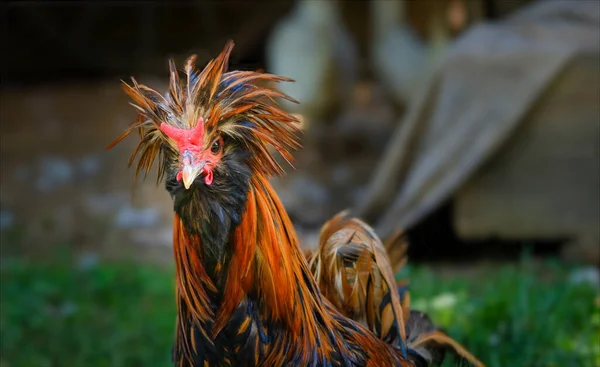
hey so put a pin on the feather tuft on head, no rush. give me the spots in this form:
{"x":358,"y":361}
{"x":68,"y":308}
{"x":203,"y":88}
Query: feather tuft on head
{"x":237,"y":104}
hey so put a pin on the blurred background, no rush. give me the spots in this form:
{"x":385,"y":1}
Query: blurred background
{"x":472,"y":124}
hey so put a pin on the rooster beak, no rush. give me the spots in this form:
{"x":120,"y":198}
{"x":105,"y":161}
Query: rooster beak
{"x":190,"y":172}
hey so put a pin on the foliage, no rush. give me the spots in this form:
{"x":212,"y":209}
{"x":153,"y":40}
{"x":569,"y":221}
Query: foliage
{"x":58,"y":314}
{"x":517,"y":315}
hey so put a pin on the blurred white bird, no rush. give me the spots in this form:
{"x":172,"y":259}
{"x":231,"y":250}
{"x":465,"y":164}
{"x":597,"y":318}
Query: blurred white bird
{"x":400,"y":60}
{"x":313,"y":47}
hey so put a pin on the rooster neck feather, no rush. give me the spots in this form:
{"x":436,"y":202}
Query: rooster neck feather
{"x":212,"y":212}
{"x":265,"y":271}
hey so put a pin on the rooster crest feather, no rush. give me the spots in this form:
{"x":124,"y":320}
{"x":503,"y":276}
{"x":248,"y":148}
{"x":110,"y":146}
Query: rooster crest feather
{"x":238,"y":104}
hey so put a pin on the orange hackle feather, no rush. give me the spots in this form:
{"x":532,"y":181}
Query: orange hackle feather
{"x":262,"y":287}
{"x":191,"y":289}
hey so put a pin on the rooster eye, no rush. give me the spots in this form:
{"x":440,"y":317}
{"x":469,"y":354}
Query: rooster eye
{"x":215,"y":147}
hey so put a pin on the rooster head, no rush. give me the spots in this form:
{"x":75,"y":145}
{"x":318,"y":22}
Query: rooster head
{"x":212,"y":126}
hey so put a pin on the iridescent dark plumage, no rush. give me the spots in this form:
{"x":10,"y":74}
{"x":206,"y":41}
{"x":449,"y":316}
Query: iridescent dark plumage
{"x":245,"y":293}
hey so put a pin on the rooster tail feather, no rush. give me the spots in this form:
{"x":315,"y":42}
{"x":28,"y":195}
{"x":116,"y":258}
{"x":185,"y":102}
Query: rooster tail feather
{"x":429,"y":344}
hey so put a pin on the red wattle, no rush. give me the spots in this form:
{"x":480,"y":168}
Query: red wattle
{"x":208,"y":178}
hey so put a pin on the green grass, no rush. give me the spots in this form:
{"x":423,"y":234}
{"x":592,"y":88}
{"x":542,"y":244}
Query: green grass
{"x":519,"y":315}
{"x":54,"y":313}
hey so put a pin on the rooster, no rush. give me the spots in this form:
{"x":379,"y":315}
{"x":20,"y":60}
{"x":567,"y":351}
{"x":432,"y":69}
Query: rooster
{"x":245,"y":293}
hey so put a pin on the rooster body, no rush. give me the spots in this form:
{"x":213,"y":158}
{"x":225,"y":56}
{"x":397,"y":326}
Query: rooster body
{"x":245,"y":293}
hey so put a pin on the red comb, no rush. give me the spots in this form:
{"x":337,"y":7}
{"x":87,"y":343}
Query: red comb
{"x":186,"y":139}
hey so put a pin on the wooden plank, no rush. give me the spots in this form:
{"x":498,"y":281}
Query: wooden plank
{"x":545,"y":182}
